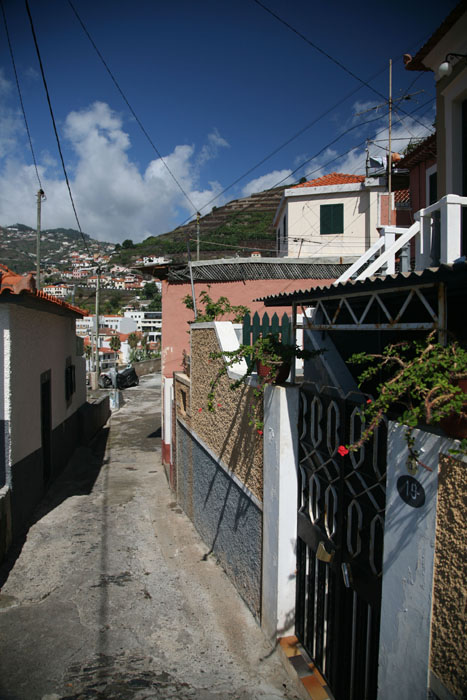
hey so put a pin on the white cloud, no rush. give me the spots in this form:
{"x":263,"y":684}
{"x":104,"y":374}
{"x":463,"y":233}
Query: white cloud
{"x":211,"y":149}
{"x":113,"y":198}
{"x":353,"y":162}
{"x":265,"y":182}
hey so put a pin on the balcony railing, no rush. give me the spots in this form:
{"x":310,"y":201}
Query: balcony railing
{"x":436,"y":234}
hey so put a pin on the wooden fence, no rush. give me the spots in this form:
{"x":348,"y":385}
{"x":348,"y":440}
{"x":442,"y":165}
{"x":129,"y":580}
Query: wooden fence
{"x":253,"y":329}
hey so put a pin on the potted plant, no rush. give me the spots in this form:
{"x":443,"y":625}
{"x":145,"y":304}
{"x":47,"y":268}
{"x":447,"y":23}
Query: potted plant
{"x":421,"y":382}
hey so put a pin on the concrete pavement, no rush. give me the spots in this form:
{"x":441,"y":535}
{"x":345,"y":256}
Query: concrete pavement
{"x":110,"y":596}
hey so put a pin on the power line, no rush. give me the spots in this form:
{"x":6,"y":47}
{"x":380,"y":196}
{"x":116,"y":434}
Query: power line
{"x":323,"y":52}
{"x":54,"y":124}
{"x":138,"y":121}
{"x":320,"y":167}
{"x":21,"y":97}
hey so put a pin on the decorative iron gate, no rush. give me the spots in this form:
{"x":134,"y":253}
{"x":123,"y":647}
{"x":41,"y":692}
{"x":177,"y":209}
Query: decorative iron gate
{"x":340,"y":542}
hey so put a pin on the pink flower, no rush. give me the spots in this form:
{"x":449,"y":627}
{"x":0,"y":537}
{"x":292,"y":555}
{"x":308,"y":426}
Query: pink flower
{"x":260,"y":432}
{"x":342,"y":450}
{"x":219,"y":405}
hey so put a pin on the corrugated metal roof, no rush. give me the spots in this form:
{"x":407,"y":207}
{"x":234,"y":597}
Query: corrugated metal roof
{"x":455,"y":274}
{"x":233,"y":270}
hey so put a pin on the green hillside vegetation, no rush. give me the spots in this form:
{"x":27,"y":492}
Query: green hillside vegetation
{"x":236,"y":228}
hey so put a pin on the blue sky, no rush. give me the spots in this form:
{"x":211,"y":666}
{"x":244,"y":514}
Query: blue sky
{"x":218,"y":86}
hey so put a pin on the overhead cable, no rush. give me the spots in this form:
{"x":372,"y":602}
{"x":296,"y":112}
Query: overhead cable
{"x":21,"y":98}
{"x":54,"y":124}
{"x":324,"y":53}
{"x":138,"y":121}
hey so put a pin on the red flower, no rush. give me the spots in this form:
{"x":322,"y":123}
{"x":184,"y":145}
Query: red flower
{"x":342,"y":450}
{"x":369,"y":401}
{"x":260,"y":432}
{"x":199,"y":410}
{"x":219,"y":405}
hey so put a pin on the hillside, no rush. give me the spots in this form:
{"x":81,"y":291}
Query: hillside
{"x":238,"y":227}
{"x":18,"y":247}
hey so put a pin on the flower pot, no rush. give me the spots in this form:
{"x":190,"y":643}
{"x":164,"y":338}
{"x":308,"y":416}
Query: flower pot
{"x":455,"y":425}
{"x":276,"y":374}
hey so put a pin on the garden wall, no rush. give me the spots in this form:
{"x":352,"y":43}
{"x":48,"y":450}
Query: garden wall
{"x":227,"y":430}
{"x":219,"y":466}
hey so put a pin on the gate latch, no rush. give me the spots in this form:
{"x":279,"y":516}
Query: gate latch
{"x":322,"y":554}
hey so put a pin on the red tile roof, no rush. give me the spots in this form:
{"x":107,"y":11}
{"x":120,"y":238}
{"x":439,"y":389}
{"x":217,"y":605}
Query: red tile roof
{"x":11,"y":283}
{"x":333,"y":179}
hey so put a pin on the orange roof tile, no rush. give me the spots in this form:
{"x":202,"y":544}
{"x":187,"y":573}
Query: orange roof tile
{"x":11,"y":283}
{"x":333,"y":179}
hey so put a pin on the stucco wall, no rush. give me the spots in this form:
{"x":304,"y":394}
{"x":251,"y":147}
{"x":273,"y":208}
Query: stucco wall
{"x":175,"y":328}
{"x":360,"y":222}
{"x":449,"y":625}
{"x":225,"y":515}
{"x":226,"y":431}
{"x":39,"y":341}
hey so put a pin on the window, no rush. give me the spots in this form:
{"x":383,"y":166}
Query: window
{"x":331,"y":218}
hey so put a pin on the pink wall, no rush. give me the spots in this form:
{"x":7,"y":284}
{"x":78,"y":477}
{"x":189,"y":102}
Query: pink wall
{"x":175,"y":316}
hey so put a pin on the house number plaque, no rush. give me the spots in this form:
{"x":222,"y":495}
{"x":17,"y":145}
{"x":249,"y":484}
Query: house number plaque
{"x":411,"y":491}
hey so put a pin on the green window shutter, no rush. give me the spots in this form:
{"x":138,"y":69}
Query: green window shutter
{"x":331,"y":218}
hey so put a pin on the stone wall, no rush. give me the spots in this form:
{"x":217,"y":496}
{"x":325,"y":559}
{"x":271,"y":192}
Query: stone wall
{"x":147,"y":366}
{"x":227,"y":516}
{"x":226,"y":430}
{"x":449,"y":624}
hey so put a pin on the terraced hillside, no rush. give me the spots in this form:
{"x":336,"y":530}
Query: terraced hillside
{"x":241,"y":226}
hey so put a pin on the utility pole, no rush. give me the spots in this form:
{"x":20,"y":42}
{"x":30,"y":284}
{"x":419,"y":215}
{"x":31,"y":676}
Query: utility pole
{"x":390,"y":149}
{"x":197,"y":234}
{"x":98,"y":285}
{"x":40,"y":196}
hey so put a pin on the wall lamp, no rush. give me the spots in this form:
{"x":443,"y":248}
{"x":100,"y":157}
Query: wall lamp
{"x":445,"y":68}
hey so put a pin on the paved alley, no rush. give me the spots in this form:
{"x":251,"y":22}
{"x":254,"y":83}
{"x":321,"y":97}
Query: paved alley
{"x":110,"y":596}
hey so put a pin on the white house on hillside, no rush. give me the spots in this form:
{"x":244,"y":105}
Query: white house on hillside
{"x":336,"y":215}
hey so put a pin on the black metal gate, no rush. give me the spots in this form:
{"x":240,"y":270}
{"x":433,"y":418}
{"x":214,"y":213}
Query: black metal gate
{"x":341,"y":506}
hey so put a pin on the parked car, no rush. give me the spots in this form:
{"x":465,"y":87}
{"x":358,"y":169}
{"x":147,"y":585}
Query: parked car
{"x":125,"y":378}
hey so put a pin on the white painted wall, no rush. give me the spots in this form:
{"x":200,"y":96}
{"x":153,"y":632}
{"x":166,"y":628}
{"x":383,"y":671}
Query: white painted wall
{"x":304,"y":239}
{"x":167,"y":398}
{"x":39,"y":341}
{"x":408,"y":567}
{"x":5,"y":392}
{"x":279,"y":510}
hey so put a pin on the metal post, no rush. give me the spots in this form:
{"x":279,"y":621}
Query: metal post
{"x":97,"y":321}
{"x":390,"y":153}
{"x":197,"y":234}
{"x":191,"y":279}
{"x":40,"y":195}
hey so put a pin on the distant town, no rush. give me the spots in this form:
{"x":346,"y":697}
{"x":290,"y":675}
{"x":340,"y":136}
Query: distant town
{"x":64,"y":265}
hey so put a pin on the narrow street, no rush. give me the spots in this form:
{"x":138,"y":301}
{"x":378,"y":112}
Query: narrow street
{"x":110,"y":596}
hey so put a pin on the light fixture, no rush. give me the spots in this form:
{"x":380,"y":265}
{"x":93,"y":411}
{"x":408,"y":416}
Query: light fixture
{"x":445,"y":68}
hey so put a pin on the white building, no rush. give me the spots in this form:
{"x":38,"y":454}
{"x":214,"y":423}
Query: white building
{"x":148,"y":322}
{"x":335,"y":216}
{"x":42,"y":387}
{"x":121,"y":324}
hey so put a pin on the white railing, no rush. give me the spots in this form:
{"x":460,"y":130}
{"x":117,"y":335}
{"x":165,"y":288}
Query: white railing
{"x":437,"y":236}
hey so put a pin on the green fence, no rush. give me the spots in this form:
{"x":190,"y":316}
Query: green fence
{"x":253,"y":329}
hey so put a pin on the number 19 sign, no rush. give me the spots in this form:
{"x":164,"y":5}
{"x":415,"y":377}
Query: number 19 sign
{"x":411,"y":491}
